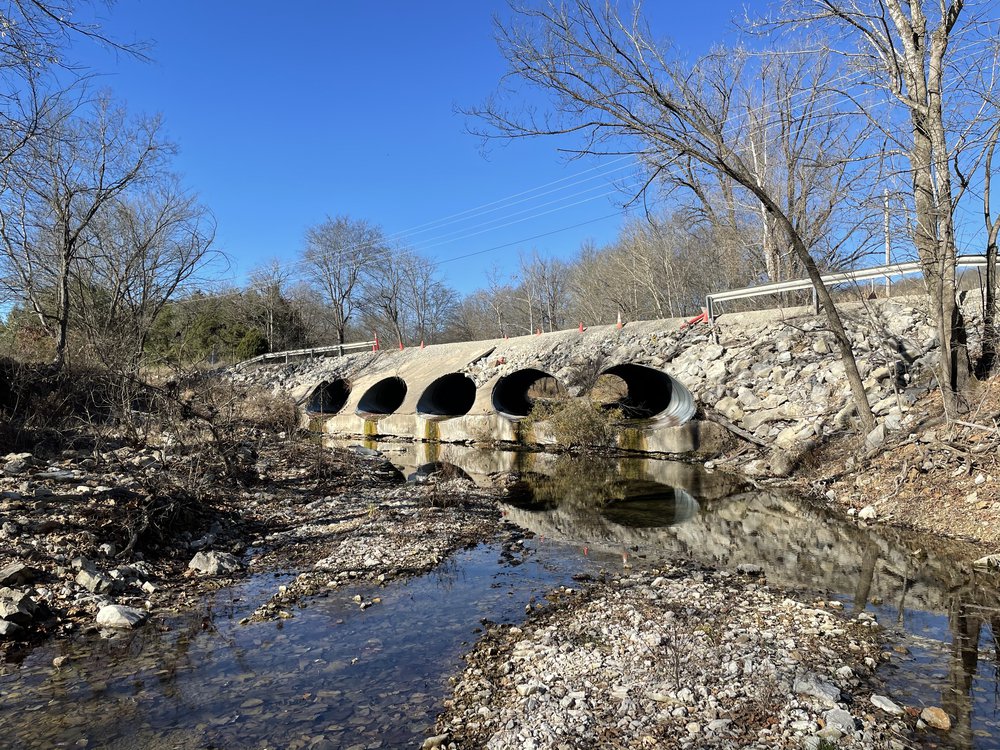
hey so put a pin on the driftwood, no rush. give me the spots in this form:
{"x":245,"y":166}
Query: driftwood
{"x":740,"y":433}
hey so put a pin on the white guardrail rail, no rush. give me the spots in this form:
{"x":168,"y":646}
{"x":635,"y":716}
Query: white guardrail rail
{"x":318,"y":351}
{"x":831,"y":279}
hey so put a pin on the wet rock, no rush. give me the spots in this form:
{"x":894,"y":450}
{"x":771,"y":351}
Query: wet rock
{"x":936,"y":718}
{"x":17,"y":574}
{"x":432,"y":742}
{"x":214,"y":563}
{"x":119,"y":617}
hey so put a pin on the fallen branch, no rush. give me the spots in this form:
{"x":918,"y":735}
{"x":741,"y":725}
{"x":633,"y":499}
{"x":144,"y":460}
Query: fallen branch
{"x":741,"y":433}
{"x":975,"y":426}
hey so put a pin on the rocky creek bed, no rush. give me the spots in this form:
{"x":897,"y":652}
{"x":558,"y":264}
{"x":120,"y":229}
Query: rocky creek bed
{"x":683,"y":656}
{"x":330,"y":517}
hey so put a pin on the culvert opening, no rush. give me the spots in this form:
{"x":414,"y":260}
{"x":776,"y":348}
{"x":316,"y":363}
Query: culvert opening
{"x":516,"y":394}
{"x":451,"y":395}
{"x":329,"y":397}
{"x":644,"y":393}
{"x":383,"y":398}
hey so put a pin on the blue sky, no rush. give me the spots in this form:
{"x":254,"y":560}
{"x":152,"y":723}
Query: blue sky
{"x":287,"y":113}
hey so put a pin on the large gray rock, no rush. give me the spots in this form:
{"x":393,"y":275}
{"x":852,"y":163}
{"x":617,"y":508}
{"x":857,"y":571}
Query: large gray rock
{"x":817,"y":687}
{"x":95,"y":583}
{"x":17,"y":574}
{"x":711,"y":352}
{"x":876,"y":437}
{"x":17,"y":607}
{"x":9,"y":630}
{"x":120,"y":618}
{"x":730,"y":408}
{"x":887,"y":705}
{"x":841,"y":719}
{"x":214,"y":563}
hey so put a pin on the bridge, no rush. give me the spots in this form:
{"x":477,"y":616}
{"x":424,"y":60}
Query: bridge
{"x":482,"y":391}
{"x":772,"y":375}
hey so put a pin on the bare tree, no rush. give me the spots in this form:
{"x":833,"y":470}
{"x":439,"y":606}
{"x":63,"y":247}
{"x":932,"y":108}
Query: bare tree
{"x":265,"y":299}
{"x":339,"y":252}
{"x":35,"y":39}
{"x":990,"y":333}
{"x":385,"y":293}
{"x":904,"y":51}
{"x":429,"y":299}
{"x":616,"y":89}
{"x":56,"y":188}
{"x":142,"y":250}
{"x":498,"y":296}
{"x":543,"y":283}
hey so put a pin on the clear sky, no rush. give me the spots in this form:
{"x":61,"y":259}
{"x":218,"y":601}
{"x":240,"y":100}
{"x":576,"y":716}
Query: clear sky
{"x":287,"y":113}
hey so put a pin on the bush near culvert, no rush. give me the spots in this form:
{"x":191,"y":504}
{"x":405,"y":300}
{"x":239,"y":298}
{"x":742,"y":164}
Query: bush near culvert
{"x":577,"y":423}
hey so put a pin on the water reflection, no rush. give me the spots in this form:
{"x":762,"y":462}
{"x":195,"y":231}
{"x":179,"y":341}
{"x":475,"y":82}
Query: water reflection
{"x":621,"y":495}
{"x":335,"y":676}
{"x":946,"y":612}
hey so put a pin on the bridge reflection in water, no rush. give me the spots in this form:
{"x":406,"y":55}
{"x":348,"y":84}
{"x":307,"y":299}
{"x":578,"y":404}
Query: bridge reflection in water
{"x":945,"y":612}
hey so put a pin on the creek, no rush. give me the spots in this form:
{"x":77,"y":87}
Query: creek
{"x":337,"y":676}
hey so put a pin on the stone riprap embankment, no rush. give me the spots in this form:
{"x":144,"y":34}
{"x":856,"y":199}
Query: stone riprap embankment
{"x":676,"y":659}
{"x":773,"y":374}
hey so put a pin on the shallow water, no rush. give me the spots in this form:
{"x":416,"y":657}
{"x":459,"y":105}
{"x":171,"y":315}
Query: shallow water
{"x":338,"y":676}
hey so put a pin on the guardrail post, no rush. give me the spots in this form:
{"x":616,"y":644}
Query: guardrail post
{"x":815,"y":300}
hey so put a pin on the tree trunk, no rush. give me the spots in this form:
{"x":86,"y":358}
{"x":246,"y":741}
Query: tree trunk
{"x":834,"y":320}
{"x":988,"y":361}
{"x":62,"y":309}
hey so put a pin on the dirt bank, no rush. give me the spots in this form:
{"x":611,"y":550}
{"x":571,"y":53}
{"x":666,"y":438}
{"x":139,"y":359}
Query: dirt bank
{"x":934,"y":475}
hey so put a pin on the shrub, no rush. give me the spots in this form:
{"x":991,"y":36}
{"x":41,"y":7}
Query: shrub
{"x":579,"y":422}
{"x":251,"y":345}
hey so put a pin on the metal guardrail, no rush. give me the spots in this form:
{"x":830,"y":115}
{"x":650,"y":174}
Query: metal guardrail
{"x":318,"y":351}
{"x":863,"y":274}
